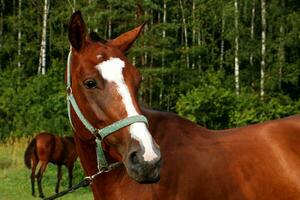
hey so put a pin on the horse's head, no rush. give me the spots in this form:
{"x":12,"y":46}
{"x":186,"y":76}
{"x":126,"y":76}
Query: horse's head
{"x":105,"y":85}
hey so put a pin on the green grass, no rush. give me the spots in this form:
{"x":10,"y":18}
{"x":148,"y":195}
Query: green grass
{"x":15,"y":181}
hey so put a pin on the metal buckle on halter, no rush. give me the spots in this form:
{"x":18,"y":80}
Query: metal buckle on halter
{"x":91,"y":178}
{"x":69,"y":90}
{"x":97,"y":135}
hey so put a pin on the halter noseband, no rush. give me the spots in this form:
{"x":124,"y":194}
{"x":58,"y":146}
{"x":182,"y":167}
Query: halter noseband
{"x":99,"y":134}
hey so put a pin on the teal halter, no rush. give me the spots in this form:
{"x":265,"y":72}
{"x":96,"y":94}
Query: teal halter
{"x":99,"y":134}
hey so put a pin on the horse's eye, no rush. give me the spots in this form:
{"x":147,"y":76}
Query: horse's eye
{"x":90,"y":84}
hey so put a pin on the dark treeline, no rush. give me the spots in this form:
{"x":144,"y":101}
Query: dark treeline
{"x":220,"y":63}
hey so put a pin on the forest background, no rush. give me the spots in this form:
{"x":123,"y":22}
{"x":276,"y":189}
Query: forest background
{"x":220,"y":63}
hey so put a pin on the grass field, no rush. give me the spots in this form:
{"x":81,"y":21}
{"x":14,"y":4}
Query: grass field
{"x":15,"y":181}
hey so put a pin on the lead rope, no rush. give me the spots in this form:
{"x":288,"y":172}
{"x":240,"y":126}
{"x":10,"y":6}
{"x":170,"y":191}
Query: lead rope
{"x":88,"y":180}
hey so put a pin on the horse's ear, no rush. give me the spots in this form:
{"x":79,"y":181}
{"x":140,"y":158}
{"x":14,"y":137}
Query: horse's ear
{"x":124,"y":41}
{"x":77,"y":31}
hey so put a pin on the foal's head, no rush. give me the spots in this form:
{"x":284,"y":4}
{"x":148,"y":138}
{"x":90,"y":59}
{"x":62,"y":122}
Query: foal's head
{"x":105,"y":85}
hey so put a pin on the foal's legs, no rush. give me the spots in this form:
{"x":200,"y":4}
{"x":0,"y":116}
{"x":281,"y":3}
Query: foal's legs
{"x":70,"y":171}
{"x":58,"y":178}
{"x":40,"y":175}
{"x":32,"y":176}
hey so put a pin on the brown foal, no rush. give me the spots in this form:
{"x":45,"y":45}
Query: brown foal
{"x":45,"y":148}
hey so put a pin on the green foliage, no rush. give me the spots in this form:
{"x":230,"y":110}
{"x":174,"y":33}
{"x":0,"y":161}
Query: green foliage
{"x":34,"y":104}
{"x":216,"y":107}
{"x":209,"y":104}
{"x":187,"y":78}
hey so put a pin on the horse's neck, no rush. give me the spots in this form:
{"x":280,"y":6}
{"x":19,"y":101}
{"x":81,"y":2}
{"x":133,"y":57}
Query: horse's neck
{"x":86,"y":151}
{"x":161,"y":125}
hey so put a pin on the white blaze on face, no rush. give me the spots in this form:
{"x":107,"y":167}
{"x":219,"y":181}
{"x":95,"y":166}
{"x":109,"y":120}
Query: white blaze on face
{"x":111,"y":71}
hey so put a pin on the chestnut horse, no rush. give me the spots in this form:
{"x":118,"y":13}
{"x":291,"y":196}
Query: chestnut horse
{"x":45,"y":148}
{"x":254,"y":162}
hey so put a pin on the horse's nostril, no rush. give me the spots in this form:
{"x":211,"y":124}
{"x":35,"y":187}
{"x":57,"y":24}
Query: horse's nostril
{"x":134,"y":158}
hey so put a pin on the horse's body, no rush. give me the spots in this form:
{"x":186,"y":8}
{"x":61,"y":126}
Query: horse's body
{"x":254,"y":162}
{"x":45,"y":148}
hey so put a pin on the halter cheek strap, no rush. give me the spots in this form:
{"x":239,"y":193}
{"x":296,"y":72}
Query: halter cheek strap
{"x":99,"y":134}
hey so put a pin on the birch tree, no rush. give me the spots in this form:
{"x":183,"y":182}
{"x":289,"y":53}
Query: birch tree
{"x":185,"y":34}
{"x":193,"y":28}
{"x":19,"y":33}
{"x":263,"y":48}
{"x":252,"y":30}
{"x":1,"y":27}
{"x":199,"y":43}
{"x":236,"y":51}
{"x":164,"y":30}
{"x":42,"y":60}
{"x":222,"y":38}
{"x":281,"y":55}
{"x":109,"y":21}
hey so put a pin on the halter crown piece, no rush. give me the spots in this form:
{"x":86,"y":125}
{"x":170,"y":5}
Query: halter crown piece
{"x":99,"y":134}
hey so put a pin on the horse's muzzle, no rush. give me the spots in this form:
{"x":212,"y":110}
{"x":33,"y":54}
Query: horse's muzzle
{"x":143,"y":171}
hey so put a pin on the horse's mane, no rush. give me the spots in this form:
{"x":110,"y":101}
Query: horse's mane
{"x":96,"y":38}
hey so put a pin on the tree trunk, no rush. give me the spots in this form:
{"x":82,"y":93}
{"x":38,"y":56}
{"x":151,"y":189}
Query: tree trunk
{"x":199,"y":44}
{"x":109,"y":22}
{"x":19,"y":33}
{"x":281,"y":55}
{"x":145,"y":45}
{"x":151,"y":25}
{"x":42,"y":60}
{"x":163,"y":56}
{"x":1,"y":27}
{"x":185,"y":34}
{"x":164,"y":31}
{"x":236,"y":52}
{"x":193,"y":30}
{"x":139,"y":14}
{"x":263,"y":49}
{"x":252,"y":31}
{"x":222,"y":38}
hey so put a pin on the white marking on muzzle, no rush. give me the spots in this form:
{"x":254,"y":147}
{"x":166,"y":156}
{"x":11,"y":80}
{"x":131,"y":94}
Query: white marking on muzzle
{"x":111,"y":71}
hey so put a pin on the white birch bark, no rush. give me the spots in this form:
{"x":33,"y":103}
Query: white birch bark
{"x":145,"y":45}
{"x":19,"y":33}
{"x":236,"y":52}
{"x":193,"y":29}
{"x":185,"y":34}
{"x":263,"y":49}
{"x":252,"y":30}
{"x":1,"y":27}
{"x":199,"y":44}
{"x":109,"y":22}
{"x":281,"y":55}
{"x":133,"y":58}
{"x":42,"y":60}
{"x":163,"y":56}
{"x":164,"y":30}
{"x":151,"y":25}
{"x":222,"y":39}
